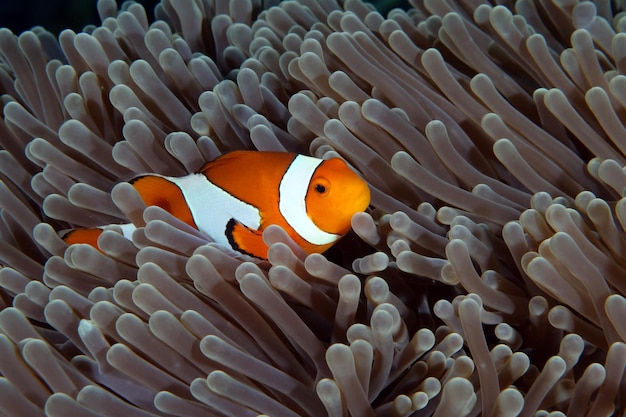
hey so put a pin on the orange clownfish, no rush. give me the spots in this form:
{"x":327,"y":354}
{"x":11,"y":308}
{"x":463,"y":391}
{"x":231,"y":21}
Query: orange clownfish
{"x":235,"y":197}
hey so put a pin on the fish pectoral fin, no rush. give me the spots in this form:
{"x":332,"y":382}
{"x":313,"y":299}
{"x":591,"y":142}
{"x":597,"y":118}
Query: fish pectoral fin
{"x":245,"y":240}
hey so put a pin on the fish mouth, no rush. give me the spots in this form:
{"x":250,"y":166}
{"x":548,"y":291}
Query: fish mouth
{"x":362,"y":199}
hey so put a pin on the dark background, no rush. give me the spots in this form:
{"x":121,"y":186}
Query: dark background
{"x":56,"y":15}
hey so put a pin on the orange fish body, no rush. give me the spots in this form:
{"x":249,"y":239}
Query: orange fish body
{"x":235,"y":197}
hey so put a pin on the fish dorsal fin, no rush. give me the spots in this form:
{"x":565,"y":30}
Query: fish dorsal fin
{"x":159,"y":191}
{"x":251,"y":176}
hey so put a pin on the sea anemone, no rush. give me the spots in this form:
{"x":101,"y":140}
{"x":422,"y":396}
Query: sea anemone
{"x":486,"y":278}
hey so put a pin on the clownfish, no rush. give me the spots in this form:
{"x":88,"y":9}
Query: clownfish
{"x":233,"y":198}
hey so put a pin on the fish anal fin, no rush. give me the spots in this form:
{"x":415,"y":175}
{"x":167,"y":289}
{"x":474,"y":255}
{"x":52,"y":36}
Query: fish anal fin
{"x":245,"y":240}
{"x":159,"y":191}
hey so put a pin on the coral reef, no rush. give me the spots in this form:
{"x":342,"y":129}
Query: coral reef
{"x":487,"y":277}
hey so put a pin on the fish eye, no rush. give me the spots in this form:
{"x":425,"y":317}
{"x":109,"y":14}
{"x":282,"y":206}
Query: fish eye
{"x":321,"y":186}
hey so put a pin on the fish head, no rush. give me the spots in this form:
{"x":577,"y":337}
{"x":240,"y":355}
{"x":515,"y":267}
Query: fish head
{"x":334,"y":195}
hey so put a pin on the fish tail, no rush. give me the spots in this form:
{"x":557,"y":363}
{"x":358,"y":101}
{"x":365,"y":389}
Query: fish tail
{"x":89,"y":236}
